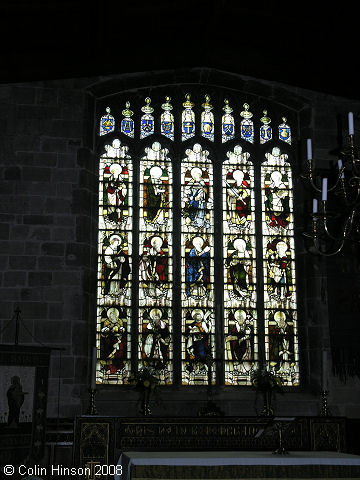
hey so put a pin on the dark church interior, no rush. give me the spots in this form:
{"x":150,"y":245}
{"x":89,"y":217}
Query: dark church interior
{"x":75,"y":80}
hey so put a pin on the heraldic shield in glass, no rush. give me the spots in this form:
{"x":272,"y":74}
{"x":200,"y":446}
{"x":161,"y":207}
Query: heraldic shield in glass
{"x":239,"y":255}
{"x":155,"y":263}
{"x":197,"y":240}
{"x":114,"y":265}
{"x":281,"y":339}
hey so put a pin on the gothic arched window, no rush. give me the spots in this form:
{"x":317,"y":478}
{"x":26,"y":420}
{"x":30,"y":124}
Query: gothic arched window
{"x":196,"y":255}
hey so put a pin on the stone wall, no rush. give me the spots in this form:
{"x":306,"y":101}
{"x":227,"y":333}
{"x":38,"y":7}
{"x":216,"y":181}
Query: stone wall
{"x":48,"y":239}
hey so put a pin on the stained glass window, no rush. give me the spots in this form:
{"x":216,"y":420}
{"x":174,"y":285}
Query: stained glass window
{"x":279,"y":267}
{"x":196,"y":250}
{"x":240,"y":267}
{"x":197,"y":240}
{"x":155,"y":263}
{"x":114,"y":264}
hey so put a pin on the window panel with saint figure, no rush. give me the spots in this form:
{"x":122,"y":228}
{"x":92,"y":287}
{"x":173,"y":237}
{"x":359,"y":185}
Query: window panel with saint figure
{"x":155,"y":342}
{"x":114,"y":265}
{"x":241,"y":348}
{"x":281,"y":344}
{"x":240,"y":336}
{"x":197,"y":266}
{"x":155,"y":263}
{"x":281,"y":341}
{"x":113,"y":338}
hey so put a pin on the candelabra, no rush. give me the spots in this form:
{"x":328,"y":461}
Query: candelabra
{"x":346,"y":187}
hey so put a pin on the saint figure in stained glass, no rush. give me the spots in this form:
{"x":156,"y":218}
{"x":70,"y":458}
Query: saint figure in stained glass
{"x":265,"y":129}
{"x":247,"y":125}
{"x":167,"y":119}
{"x":155,"y":339}
{"x":277,"y":200}
{"x":197,"y":341}
{"x":285,"y":132}
{"x":228,"y":123}
{"x":156,"y":195}
{"x":239,"y":263}
{"x":107,"y":123}
{"x":127,"y":123}
{"x":153,"y":267}
{"x":116,"y":266}
{"x":147,"y":120}
{"x":207,"y":120}
{"x":281,"y":342}
{"x":113,"y":342}
{"x":238,"y":197}
{"x":197,"y":267}
{"x":279,"y":282}
{"x":188,"y":119}
{"x":115,"y":201}
{"x":197,"y":199}
{"x":240,"y":341}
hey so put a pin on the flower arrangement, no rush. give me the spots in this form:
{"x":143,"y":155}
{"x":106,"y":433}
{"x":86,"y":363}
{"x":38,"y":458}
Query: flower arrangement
{"x":146,"y":383}
{"x":264,"y":379}
{"x":144,"y":379}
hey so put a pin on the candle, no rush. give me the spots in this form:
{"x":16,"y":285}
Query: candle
{"x":315,"y":205}
{"x":351,"y":123}
{"x":93,"y":368}
{"x":340,"y":165}
{"x":324,"y":370}
{"x":309,"y":149}
{"x":324,"y":189}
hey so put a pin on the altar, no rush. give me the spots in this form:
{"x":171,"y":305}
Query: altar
{"x":236,"y":465}
{"x":214,"y":447}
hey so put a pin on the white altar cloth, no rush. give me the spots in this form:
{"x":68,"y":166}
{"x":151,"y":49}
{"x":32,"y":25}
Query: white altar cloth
{"x":127,"y":459}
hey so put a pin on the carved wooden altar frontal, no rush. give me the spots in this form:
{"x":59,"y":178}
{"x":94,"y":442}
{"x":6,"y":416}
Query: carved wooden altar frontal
{"x":220,"y":433}
{"x":94,"y":443}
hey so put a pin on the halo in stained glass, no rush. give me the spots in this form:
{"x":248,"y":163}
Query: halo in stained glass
{"x":107,"y":123}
